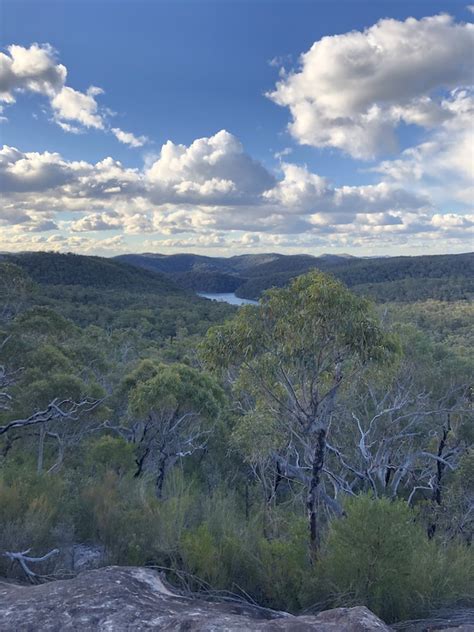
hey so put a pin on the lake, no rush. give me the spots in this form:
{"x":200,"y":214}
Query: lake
{"x":227,"y":297}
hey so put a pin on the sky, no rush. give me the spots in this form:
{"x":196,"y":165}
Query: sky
{"x":224,"y":127}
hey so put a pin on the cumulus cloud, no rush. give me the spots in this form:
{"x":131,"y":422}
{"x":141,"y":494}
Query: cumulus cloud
{"x":35,"y":69}
{"x":214,"y":169}
{"x":31,"y":171}
{"x":37,"y":172}
{"x":352,"y":91}
{"x":71,"y":105}
{"x":127,"y":138}
{"x":212,"y":194}
{"x":444,"y":164}
{"x":96,"y":221}
{"x":303,"y":192}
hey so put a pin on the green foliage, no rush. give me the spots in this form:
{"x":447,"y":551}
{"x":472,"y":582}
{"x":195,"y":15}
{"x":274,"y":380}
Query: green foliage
{"x":110,"y":453}
{"x":70,"y":269}
{"x":404,"y":279}
{"x":446,"y":323}
{"x":15,"y":289}
{"x":380,"y":557}
{"x":257,"y":435}
{"x":31,"y":509}
{"x":89,"y":327}
{"x":314,"y":311}
{"x":175,"y":387}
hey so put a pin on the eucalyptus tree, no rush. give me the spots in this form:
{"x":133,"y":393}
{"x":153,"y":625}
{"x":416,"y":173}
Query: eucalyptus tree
{"x":173,"y":409}
{"x":288,"y":359}
{"x":396,"y":440}
{"x":48,"y":386}
{"x":16,"y":288}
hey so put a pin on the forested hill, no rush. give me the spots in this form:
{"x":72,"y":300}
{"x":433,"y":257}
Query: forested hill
{"x":108,"y":293}
{"x":441,"y":277}
{"x":94,"y":272}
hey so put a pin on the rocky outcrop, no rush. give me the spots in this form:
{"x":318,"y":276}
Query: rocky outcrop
{"x":85,"y":557}
{"x":126,"y":599}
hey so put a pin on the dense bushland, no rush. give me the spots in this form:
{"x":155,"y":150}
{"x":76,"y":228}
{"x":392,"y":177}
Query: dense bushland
{"x":439,"y":277}
{"x":309,"y":452}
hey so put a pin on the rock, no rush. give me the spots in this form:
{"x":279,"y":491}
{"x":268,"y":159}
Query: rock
{"x":86,"y":557}
{"x":458,"y":619}
{"x":126,"y":599}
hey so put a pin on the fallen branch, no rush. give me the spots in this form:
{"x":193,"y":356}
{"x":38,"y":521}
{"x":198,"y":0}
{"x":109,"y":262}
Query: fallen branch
{"x":24,"y":559}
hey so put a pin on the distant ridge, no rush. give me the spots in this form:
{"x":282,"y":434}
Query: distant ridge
{"x":444,"y":277}
{"x":439,"y":277}
{"x":95,"y":272}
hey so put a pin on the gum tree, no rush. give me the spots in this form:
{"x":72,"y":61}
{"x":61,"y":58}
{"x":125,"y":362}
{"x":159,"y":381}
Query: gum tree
{"x":173,"y":410}
{"x":288,"y":359}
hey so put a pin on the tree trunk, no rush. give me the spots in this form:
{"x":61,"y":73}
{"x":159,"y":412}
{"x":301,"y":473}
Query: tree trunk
{"x":247,"y":501}
{"x":440,"y":467}
{"x":160,"y":479}
{"x":145,"y":443}
{"x":39,"y":462}
{"x":312,"y":499}
{"x":140,"y":464}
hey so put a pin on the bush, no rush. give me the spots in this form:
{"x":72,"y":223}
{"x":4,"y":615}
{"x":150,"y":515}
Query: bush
{"x":110,"y":453}
{"x":30,"y":514}
{"x":379,"y":556}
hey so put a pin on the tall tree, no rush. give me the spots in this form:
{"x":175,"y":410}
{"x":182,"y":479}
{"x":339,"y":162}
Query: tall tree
{"x":173,"y":408}
{"x":294,"y":352}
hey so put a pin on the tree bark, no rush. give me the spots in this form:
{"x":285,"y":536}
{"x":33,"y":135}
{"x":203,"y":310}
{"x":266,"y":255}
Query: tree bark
{"x":440,"y":467}
{"x":160,"y":479}
{"x":312,"y":499}
{"x":39,"y":462}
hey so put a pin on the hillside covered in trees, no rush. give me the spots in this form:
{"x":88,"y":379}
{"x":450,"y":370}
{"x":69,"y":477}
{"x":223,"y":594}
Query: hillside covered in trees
{"x":440,"y":277}
{"x":309,"y":452}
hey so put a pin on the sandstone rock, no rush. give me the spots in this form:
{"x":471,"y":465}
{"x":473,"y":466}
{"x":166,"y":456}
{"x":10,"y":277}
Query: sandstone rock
{"x":128,"y":599}
{"x":86,"y":557}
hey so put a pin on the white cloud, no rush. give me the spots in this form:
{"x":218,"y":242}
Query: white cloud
{"x":32,"y":171}
{"x":353,"y":90}
{"x":443,"y":165}
{"x":213,"y":170}
{"x":22,"y":241}
{"x":212,"y":194}
{"x":35,"y":69}
{"x":303,"y":192}
{"x":298,"y":189}
{"x":96,"y":221}
{"x":71,"y":105}
{"x":127,"y":138}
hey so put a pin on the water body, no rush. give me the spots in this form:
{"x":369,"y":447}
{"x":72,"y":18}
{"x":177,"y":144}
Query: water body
{"x":227,"y":297}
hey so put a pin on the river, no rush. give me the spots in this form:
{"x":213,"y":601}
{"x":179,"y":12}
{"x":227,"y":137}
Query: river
{"x":227,"y":297}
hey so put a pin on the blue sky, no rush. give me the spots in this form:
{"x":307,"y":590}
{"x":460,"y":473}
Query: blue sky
{"x":180,"y":71}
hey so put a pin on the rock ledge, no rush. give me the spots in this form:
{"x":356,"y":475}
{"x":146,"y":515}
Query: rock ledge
{"x":120,"y":599}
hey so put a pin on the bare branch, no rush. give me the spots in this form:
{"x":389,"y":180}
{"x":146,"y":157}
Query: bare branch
{"x":66,"y":410}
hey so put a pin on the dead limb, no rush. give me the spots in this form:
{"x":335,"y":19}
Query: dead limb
{"x":24,"y":559}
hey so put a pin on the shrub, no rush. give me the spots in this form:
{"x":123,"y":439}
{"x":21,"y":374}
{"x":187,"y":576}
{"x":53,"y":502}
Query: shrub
{"x":110,"y":453}
{"x":380,"y":557}
{"x":30,"y":509}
